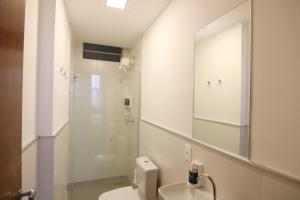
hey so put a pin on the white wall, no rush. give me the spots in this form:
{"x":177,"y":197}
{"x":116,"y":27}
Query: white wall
{"x":45,"y":96}
{"x":53,"y":166}
{"x":167,"y":85}
{"x":29,"y":149}
{"x":167,"y":75}
{"x":61,"y":167}
{"x":235,"y":179}
{"x":62,"y":56}
{"x":30,"y":72}
{"x":46,"y":28}
{"x":55,"y":145}
{"x":275,"y":85}
{"x":29,"y":167}
{"x":54,"y":53}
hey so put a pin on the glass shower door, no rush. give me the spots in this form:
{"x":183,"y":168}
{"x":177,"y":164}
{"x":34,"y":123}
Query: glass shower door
{"x":103,"y":138}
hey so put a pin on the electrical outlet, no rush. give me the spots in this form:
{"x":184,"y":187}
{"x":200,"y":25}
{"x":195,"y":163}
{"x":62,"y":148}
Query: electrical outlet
{"x":188,"y":152}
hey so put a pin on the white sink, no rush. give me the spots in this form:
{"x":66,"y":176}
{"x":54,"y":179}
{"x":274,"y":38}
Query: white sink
{"x":181,"y":191}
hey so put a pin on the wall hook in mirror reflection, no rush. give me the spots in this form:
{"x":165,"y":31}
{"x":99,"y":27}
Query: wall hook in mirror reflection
{"x":61,"y":69}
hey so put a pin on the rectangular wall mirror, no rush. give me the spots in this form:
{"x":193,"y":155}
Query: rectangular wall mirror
{"x":222,"y":82}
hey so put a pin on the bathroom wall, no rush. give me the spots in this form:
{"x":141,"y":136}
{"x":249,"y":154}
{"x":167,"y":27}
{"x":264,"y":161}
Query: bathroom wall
{"x":61,"y":68}
{"x":30,"y":71}
{"x":53,"y":130}
{"x":167,"y":92}
{"x":235,"y":179}
{"x":61,"y":167}
{"x":29,"y":167}
{"x":46,"y":46}
{"x":53,"y":166}
{"x":29,"y":144}
{"x":276,"y":96}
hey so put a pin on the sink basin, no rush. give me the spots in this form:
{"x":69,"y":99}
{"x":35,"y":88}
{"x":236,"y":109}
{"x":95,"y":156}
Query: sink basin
{"x":182,"y":191}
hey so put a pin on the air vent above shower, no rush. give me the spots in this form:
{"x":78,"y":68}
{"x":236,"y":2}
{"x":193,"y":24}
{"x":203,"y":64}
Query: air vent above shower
{"x":101,"y":52}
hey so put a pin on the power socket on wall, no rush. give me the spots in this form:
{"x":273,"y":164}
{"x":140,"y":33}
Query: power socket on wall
{"x":188,"y":152}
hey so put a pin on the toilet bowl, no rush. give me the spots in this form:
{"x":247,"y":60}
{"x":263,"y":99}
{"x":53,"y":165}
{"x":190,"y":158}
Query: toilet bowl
{"x":146,"y":177}
{"x":121,"y":193}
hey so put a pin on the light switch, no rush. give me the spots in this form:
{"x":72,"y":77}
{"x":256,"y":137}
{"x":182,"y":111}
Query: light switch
{"x":188,"y":152}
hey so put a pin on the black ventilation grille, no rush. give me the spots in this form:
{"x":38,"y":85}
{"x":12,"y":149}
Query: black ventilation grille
{"x":101,"y":52}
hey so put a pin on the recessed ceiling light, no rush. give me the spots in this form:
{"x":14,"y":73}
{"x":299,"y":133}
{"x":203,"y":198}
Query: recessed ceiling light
{"x":116,"y":3}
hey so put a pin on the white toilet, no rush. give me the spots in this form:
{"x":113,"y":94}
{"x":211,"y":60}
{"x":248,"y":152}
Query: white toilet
{"x":146,"y":175}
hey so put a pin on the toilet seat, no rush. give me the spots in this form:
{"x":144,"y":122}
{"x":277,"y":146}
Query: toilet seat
{"x":124,"y":193}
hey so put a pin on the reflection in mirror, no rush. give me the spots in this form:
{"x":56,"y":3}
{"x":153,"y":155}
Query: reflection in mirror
{"x":222,"y":82}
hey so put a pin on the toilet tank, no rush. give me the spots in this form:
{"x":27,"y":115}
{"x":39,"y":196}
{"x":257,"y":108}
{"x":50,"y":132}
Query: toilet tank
{"x":146,"y":174}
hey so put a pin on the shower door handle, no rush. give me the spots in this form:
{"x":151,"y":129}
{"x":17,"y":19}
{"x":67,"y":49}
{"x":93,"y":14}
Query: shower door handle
{"x":31,"y":194}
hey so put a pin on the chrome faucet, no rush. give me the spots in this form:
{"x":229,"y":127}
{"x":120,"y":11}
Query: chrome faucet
{"x":212,"y":182}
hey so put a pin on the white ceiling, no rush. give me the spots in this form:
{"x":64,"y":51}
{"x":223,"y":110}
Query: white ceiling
{"x":92,"y":21}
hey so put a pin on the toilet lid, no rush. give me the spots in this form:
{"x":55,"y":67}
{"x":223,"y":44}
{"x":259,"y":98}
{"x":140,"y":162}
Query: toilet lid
{"x":124,"y":193}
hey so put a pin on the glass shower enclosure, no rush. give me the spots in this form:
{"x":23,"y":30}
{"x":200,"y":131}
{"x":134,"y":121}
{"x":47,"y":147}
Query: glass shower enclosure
{"x":104,"y":127}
